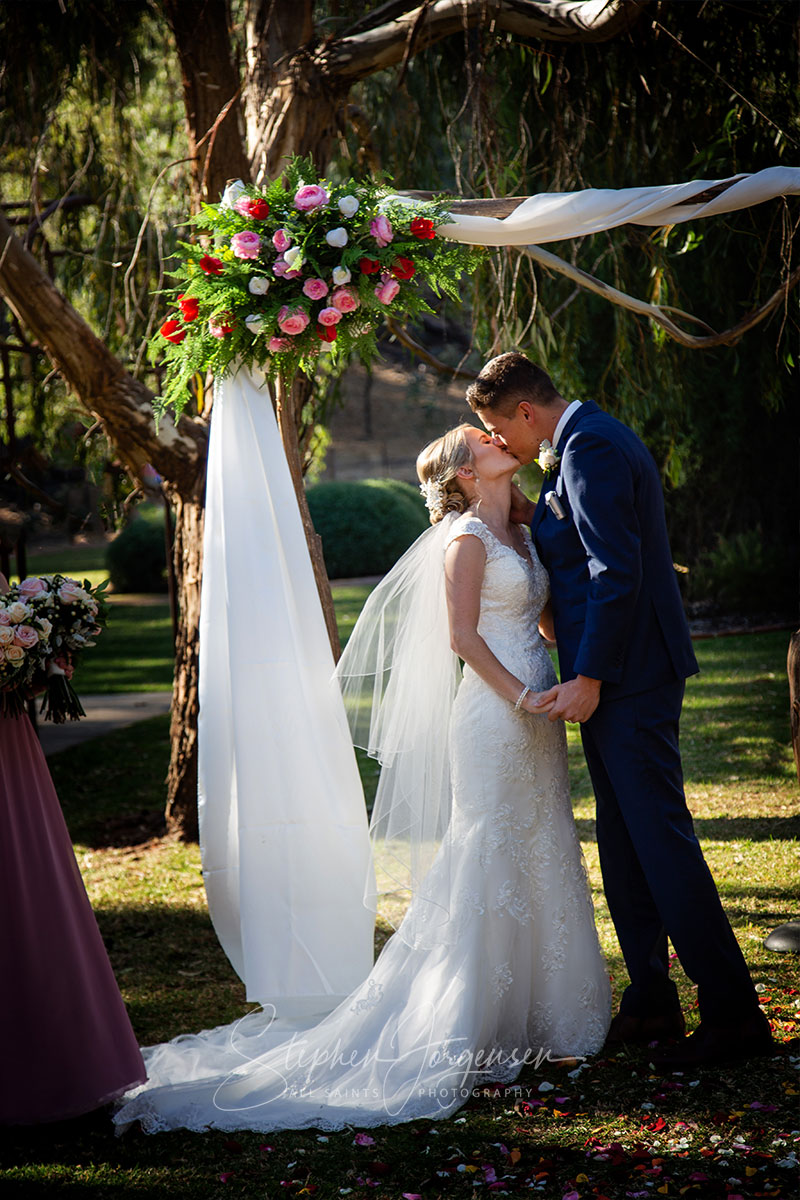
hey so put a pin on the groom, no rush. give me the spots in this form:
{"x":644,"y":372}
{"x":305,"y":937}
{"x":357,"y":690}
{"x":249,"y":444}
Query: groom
{"x":624,"y":653}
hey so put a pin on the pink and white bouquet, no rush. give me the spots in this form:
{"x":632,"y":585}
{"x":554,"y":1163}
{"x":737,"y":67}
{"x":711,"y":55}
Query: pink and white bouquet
{"x":299,"y":266}
{"x":46,"y":622}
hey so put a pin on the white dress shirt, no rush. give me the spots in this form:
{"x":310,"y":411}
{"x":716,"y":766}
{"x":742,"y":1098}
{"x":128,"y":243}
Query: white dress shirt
{"x":565,"y":416}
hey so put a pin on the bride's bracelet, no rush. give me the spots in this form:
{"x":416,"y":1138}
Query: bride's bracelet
{"x":520,"y":698}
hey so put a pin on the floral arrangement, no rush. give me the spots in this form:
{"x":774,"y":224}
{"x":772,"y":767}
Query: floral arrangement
{"x":297,"y":267}
{"x":46,"y":623}
{"x":548,"y":458}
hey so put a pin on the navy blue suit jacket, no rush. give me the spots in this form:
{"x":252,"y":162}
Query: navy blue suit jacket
{"x":617,"y":609}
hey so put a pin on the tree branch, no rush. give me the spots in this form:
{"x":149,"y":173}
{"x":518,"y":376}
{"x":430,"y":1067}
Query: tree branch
{"x":654,"y":312}
{"x":416,"y":348}
{"x":102,"y":384}
{"x":352,"y":58}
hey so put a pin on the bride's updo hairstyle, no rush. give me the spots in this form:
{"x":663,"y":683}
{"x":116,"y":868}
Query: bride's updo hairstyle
{"x":437,"y":466}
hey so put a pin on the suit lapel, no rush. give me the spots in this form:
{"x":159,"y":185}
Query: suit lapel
{"x":549,"y":483}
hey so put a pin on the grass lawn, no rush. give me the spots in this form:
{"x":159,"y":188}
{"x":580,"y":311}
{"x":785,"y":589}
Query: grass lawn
{"x":616,"y":1130}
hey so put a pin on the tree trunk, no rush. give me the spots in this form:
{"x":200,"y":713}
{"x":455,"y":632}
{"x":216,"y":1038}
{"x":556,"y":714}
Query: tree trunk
{"x":182,"y":774}
{"x":211,"y":87}
{"x":793,"y":669}
{"x":288,"y":406}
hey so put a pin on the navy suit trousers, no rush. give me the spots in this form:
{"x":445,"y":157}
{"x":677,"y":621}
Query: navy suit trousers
{"x":656,"y":879}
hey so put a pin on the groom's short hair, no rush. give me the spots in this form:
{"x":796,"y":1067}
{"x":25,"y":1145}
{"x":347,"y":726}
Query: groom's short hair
{"x":508,"y":379}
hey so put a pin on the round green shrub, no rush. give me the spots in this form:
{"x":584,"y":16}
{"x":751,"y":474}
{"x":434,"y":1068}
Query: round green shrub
{"x":137,"y":557}
{"x":365,"y":526}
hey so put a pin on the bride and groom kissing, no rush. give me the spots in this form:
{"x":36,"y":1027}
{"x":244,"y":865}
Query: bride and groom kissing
{"x":498,"y":951}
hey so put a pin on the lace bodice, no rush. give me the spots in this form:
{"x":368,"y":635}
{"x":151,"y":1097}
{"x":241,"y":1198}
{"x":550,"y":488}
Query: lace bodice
{"x":513,"y":594}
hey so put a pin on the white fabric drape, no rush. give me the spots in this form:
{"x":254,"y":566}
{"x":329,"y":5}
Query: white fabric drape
{"x":283,"y":827}
{"x":553,"y":216}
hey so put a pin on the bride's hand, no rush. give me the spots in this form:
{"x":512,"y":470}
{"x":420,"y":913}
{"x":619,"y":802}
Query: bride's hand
{"x":522,"y":509}
{"x":574,"y":701}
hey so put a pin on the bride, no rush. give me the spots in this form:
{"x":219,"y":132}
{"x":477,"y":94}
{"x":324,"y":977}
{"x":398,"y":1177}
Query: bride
{"x":496,"y":963}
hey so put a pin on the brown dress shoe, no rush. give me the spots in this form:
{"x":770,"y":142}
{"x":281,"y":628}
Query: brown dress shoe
{"x":710,"y":1044}
{"x":626,"y":1029}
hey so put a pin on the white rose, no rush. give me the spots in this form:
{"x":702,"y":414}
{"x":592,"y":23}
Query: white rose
{"x":547,"y":456}
{"x":254,"y":323}
{"x":337,"y":237}
{"x":15,"y":655}
{"x":293,"y":258}
{"x":258,"y":285}
{"x":348,"y":206}
{"x":6,"y":635}
{"x":45,"y":626}
{"x":232,"y":193}
{"x":18,"y":612}
{"x":341,"y":275}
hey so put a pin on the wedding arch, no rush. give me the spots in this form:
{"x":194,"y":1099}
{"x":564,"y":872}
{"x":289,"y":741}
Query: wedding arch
{"x":283,"y":827}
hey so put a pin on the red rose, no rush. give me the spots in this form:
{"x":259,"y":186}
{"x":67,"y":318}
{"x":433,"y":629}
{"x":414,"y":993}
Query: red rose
{"x":172,"y":331}
{"x":403,"y":268}
{"x":422,"y":228}
{"x":369,"y":266}
{"x":211,"y":266}
{"x":326,"y":333}
{"x":190,"y":308}
{"x":259,"y":209}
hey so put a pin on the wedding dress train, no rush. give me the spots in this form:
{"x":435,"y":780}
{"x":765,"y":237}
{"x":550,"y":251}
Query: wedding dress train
{"x":509,"y":971}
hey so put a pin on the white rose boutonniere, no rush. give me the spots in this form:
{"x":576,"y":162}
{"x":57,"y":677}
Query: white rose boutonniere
{"x":548,"y":458}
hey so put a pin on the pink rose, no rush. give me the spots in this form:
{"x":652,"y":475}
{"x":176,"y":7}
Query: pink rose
{"x":70,"y":591}
{"x":32,"y":587}
{"x":309,"y":197}
{"x":381,"y":230}
{"x":246,"y":245}
{"x":292,"y":322}
{"x":315,"y":289}
{"x":281,"y":240}
{"x":329,"y":316}
{"x":25,"y":636}
{"x":279,"y":267}
{"x":5,"y":619}
{"x":345,"y":300}
{"x":219,"y":327}
{"x":387,"y":291}
{"x":255,"y":207}
{"x":277,"y":345}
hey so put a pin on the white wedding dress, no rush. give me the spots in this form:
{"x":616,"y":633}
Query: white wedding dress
{"x":512,"y":974}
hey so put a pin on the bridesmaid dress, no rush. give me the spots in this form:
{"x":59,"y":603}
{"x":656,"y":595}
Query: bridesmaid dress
{"x":66,"y":1043}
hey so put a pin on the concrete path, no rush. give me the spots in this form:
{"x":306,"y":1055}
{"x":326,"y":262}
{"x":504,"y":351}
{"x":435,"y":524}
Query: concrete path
{"x":103,"y":715}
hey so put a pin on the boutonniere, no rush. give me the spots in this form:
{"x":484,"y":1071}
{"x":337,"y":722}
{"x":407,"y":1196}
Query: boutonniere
{"x":548,"y":458}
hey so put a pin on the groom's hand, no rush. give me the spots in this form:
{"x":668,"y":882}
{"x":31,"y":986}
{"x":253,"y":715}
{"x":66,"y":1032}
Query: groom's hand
{"x":573,"y":701}
{"x":522,"y":509}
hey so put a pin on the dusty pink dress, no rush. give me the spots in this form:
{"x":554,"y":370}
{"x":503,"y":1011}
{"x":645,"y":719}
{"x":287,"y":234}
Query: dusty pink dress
{"x":66,"y":1044}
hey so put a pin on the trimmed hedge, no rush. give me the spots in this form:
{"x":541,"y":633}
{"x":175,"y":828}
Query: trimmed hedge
{"x":365,"y":526}
{"x":137,"y":558}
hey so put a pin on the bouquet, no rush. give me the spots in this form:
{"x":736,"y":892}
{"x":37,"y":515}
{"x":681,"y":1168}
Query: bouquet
{"x":299,"y":266}
{"x":45,"y":624}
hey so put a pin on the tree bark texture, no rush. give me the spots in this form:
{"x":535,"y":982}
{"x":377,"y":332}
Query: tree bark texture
{"x":793,"y":670}
{"x":211,"y":96}
{"x":289,"y":401}
{"x":188,"y":557}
